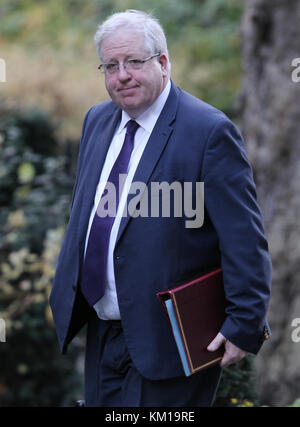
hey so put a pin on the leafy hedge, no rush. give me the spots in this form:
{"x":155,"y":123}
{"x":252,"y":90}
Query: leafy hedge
{"x":35,"y":189}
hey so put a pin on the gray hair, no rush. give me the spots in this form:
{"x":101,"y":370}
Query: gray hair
{"x":134,"y":20}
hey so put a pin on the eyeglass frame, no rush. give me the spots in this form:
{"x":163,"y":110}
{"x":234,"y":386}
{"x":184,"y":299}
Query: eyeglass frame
{"x":101,"y":67}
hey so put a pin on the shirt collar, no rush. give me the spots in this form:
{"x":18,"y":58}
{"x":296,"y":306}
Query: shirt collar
{"x":149,"y":117}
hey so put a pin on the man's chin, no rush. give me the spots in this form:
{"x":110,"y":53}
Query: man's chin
{"x":132,"y":109}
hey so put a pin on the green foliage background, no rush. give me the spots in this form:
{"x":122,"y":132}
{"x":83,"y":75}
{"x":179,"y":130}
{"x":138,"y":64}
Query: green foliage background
{"x":51,"y":82}
{"x":51,"y":57}
{"x":35,"y":191}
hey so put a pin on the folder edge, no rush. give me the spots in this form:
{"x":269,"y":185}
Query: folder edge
{"x":193,"y":368}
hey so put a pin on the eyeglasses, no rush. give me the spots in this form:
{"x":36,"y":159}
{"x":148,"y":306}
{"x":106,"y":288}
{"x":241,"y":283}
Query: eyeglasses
{"x":129,"y":65}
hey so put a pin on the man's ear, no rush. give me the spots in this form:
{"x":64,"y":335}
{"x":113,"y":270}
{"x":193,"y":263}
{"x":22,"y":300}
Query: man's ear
{"x":163,"y":60}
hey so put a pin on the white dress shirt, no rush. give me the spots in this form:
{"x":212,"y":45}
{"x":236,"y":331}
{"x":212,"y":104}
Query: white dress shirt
{"x":107,"y":307}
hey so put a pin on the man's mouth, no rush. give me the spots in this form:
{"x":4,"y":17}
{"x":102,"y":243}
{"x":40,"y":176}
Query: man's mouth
{"x":126,"y":89}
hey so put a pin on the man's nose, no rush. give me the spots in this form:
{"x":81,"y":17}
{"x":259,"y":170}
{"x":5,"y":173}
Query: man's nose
{"x":123,"y":74}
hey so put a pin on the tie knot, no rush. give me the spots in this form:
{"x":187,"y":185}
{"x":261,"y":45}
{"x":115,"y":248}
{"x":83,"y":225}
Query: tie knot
{"x":132,"y":126}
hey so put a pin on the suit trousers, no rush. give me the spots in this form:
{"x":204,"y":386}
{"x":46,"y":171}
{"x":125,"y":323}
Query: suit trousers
{"x":111,"y":379}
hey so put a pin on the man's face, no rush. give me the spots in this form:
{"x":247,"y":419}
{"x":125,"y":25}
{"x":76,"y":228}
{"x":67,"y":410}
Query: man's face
{"x":134,"y":91}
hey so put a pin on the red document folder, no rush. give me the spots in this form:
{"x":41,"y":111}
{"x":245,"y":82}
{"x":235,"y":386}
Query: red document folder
{"x":197,"y":314}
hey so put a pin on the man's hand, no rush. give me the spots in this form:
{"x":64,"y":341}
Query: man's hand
{"x":232,"y":353}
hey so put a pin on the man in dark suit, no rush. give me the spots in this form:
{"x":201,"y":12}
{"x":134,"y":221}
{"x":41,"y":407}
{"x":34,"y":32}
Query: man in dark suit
{"x":112,"y":266}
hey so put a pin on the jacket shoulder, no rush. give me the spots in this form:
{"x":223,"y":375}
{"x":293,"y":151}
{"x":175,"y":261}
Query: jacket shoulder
{"x":103,"y":108}
{"x":195,"y":110}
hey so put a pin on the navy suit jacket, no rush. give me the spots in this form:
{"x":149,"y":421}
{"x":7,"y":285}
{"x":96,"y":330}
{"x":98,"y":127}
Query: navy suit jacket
{"x":191,"y":142}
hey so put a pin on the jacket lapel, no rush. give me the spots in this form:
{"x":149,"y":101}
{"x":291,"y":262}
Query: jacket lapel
{"x":154,"y":148}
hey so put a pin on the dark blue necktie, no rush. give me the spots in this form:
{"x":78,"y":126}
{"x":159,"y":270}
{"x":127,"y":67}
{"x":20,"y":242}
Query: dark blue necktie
{"x":94,"y":267}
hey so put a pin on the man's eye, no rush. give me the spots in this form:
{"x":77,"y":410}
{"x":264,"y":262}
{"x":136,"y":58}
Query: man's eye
{"x":111,"y":67}
{"x":135,"y":62}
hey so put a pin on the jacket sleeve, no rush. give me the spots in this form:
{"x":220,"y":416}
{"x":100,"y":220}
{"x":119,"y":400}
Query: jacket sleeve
{"x":231,"y":203}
